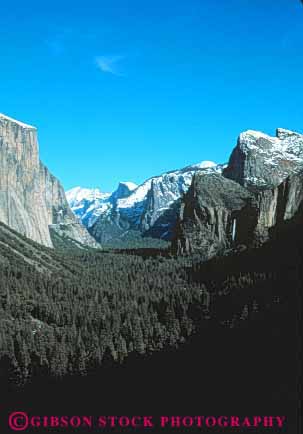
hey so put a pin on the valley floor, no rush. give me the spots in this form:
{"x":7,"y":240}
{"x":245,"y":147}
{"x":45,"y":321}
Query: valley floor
{"x":143,"y":332}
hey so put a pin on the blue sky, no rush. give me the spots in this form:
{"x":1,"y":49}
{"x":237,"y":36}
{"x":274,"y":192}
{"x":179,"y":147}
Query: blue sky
{"x":127,"y":89}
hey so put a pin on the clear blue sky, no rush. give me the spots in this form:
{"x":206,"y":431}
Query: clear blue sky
{"x":126,"y":89}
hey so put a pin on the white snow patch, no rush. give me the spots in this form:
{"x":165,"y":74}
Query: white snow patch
{"x":21,"y":124}
{"x":77,"y":194}
{"x":205,"y":164}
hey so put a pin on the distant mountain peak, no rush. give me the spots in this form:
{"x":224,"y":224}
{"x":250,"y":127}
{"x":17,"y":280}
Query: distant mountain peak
{"x":123,"y":190}
{"x":141,"y":207}
{"x":77,"y":194}
{"x":206,"y":164}
{"x":130,"y":185}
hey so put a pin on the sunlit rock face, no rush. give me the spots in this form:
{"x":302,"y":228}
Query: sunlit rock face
{"x":31,"y":198}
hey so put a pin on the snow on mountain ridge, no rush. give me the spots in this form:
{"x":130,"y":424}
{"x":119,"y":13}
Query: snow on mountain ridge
{"x":286,"y":145}
{"x":136,"y":196}
{"x":181,"y":177}
{"x":130,"y":185}
{"x":205,"y":164}
{"x":261,"y":160}
{"x":15,"y":121}
{"x":77,"y":194}
{"x":87,"y":203}
{"x":151,"y":208}
{"x":139,"y":207}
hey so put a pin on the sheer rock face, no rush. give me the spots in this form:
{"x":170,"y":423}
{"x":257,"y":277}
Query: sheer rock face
{"x":272,"y":168}
{"x":260,"y":161}
{"x":278,"y":205}
{"x":211,"y":216}
{"x":259,"y":190}
{"x":217,"y":216}
{"x":31,"y":198}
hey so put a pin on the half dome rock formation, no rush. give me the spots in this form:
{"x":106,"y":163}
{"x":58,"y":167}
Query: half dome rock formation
{"x":124,"y":190}
{"x":32,"y":200}
{"x":261,"y":161}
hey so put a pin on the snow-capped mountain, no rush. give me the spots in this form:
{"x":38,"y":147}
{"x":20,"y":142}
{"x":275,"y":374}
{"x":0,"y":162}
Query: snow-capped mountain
{"x":262,"y":161}
{"x":263,"y":196}
{"x":148,"y":209}
{"x":87,"y":204}
{"x":258,"y":162}
{"x":78,"y":194}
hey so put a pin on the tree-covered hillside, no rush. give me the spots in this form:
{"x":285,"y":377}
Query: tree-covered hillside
{"x":70,"y":312}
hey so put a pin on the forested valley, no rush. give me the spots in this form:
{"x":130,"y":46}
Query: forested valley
{"x":73,"y":311}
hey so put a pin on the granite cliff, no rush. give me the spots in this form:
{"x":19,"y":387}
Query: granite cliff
{"x":211,"y":214}
{"x":260,"y":161}
{"x":260,"y":190}
{"x":32,"y":200}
